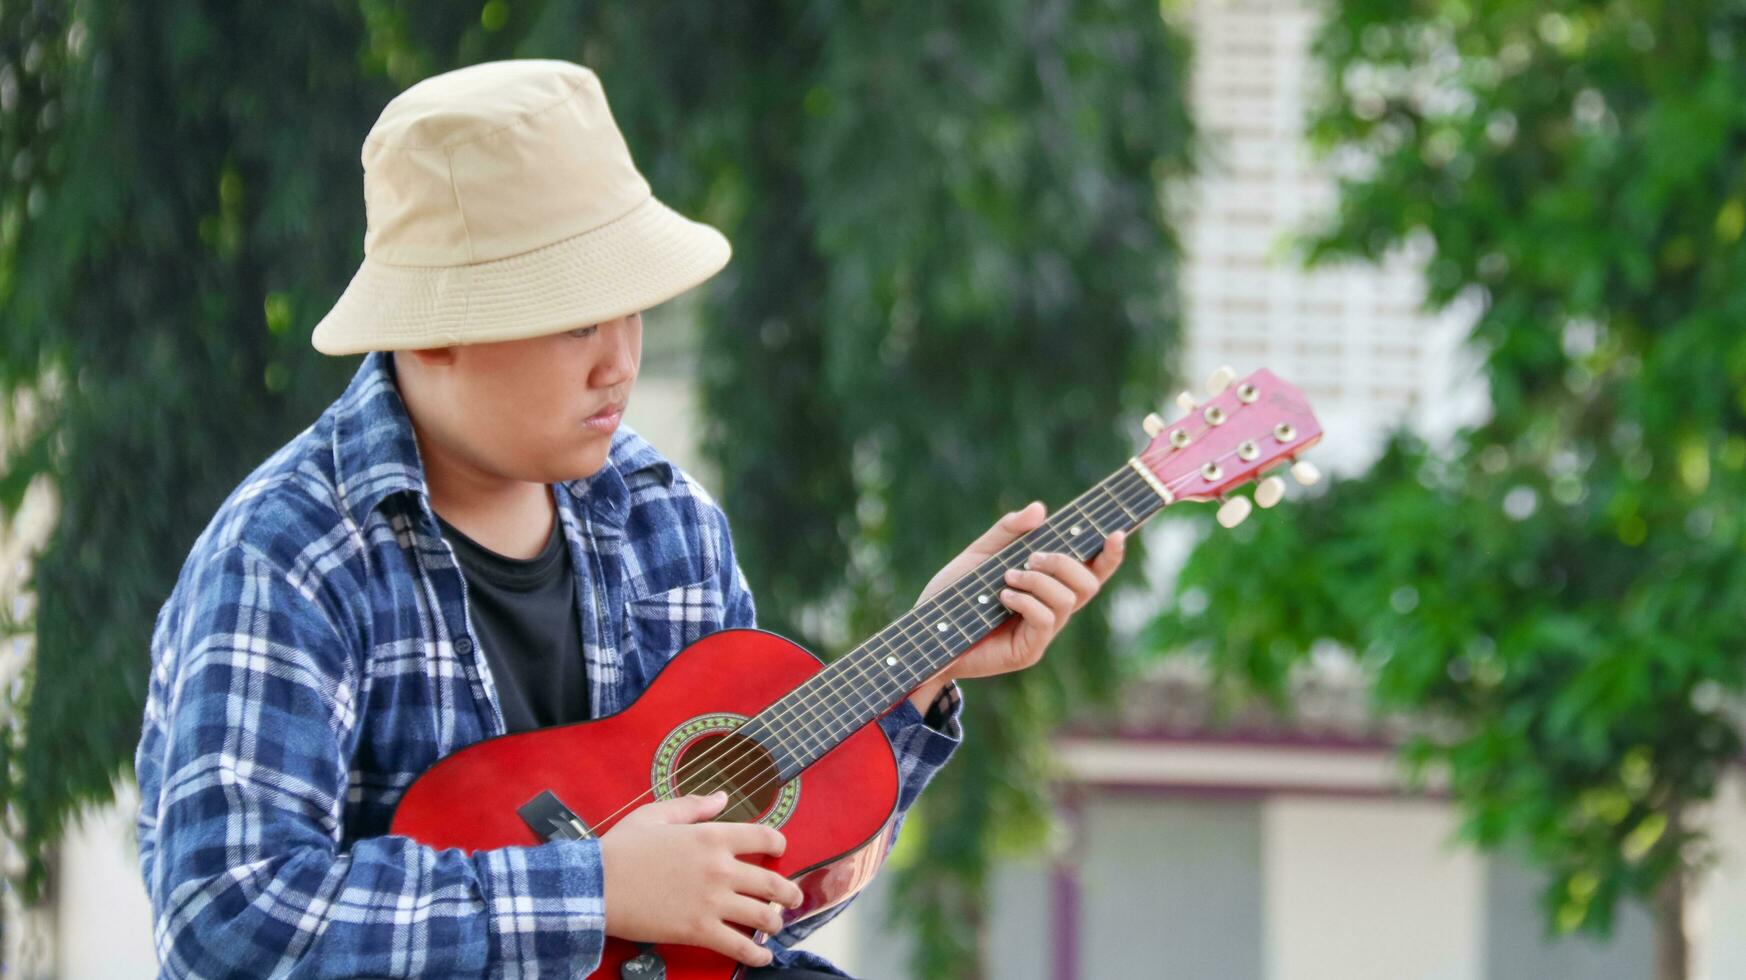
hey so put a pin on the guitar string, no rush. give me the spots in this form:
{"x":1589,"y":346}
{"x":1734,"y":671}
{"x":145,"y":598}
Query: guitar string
{"x":751,"y":753}
{"x":749,"y":756}
{"x":746,"y":795}
{"x":864,"y":660}
{"x":945,"y":607}
{"x":908,"y":629}
{"x":907,"y":626}
{"x":937,"y":602}
{"x":792,"y":721}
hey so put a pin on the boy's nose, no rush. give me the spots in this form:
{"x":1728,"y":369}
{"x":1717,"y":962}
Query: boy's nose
{"x":620,"y":361}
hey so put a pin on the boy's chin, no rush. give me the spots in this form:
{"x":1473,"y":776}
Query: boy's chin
{"x":580,"y":466}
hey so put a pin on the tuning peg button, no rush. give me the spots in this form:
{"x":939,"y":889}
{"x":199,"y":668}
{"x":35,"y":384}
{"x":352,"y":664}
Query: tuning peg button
{"x":1270,"y":491}
{"x":1306,"y":473}
{"x":1220,"y":380}
{"x":1233,"y":511}
{"x":1152,"y":423}
{"x":1186,"y":402}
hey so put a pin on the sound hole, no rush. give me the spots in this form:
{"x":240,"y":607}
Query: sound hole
{"x":729,"y":762}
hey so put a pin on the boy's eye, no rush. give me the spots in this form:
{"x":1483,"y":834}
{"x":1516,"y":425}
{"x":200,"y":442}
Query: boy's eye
{"x":583,"y":332}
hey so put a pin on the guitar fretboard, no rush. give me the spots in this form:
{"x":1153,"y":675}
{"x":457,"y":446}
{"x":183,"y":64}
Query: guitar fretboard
{"x":864,"y":683}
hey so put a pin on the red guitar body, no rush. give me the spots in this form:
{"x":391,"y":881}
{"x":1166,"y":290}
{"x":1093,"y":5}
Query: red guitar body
{"x":836,"y":815}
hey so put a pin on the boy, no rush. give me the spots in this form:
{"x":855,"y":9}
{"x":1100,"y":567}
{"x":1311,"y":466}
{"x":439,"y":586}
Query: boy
{"x":468,"y":543}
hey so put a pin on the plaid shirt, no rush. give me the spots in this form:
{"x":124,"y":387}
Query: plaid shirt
{"x":316,"y":656}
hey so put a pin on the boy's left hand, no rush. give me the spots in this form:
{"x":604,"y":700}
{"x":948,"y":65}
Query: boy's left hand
{"x":1043,"y":596}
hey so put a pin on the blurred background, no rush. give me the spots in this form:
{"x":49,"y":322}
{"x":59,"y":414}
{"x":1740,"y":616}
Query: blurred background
{"x":1469,"y":709}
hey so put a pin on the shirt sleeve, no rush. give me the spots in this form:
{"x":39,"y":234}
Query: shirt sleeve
{"x":243,"y":768}
{"x":738,"y":609}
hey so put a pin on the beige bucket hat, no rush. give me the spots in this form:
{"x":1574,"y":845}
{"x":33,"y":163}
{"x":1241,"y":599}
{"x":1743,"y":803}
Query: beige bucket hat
{"x":501,"y":202}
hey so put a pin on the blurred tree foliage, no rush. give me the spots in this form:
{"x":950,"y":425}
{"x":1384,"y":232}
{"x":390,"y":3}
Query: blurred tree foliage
{"x":952,"y":281}
{"x":1562,"y":590}
{"x":178,"y":203}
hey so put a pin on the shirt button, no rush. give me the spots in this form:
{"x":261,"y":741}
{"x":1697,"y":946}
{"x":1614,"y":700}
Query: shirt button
{"x":463,"y":645}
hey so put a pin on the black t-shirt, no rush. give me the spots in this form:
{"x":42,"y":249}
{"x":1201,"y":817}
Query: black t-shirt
{"x":524,"y":610}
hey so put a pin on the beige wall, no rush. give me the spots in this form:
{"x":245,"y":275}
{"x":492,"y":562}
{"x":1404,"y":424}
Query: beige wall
{"x":1368,"y":888}
{"x":103,"y":916}
{"x":1717,"y":914}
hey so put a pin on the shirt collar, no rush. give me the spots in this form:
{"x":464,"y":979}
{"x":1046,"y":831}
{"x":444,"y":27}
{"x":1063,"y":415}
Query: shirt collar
{"x":606,"y":492}
{"x":376,"y":454}
{"x":374,"y":451}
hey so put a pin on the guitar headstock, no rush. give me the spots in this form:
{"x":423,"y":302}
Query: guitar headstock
{"x":1245,"y":428}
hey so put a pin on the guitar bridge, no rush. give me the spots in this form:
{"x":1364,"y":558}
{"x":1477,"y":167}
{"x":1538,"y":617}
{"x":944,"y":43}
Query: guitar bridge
{"x":550,"y":819}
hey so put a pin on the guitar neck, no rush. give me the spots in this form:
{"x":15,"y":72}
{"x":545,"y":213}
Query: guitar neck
{"x":864,"y":683}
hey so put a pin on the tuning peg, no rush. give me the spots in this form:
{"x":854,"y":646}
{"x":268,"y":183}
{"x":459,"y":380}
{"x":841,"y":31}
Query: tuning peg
{"x":1232,"y":511}
{"x":1269,"y":491}
{"x":1152,"y":423}
{"x":1220,"y":380}
{"x":1305,"y":472}
{"x":1185,"y":401}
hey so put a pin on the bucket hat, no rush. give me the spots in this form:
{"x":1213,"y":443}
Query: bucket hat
{"x":501,"y":202}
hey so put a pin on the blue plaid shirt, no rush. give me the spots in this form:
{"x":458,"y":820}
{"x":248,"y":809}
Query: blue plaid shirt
{"x":316,"y":656}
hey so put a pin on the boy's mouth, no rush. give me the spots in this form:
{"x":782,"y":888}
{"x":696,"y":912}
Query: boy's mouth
{"x":607,"y":418}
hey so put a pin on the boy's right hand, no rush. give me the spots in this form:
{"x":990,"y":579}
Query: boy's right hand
{"x":673,"y":878}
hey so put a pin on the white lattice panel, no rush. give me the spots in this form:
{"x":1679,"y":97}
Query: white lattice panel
{"x":1354,"y":338}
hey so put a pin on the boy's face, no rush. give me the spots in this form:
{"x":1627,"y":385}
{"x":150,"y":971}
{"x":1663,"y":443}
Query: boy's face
{"x":541,"y":410}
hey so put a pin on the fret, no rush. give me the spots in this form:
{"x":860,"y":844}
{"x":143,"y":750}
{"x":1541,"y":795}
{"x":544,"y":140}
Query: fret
{"x":1089,"y":538}
{"x":933,"y":636}
{"x":881,"y":670}
{"x":984,"y":601}
{"x":896,"y":659}
{"x":951,"y":617}
{"x":1095,"y":526}
{"x":1142,"y":494}
{"x":1118,"y":502}
{"x":1085,"y":543}
{"x":1135,"y":498}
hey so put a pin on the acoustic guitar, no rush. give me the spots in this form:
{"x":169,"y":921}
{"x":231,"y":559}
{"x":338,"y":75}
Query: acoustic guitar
{"x":790,"y":738}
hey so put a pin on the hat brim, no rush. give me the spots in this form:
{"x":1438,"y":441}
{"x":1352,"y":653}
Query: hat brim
{"x":636,"y":261}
